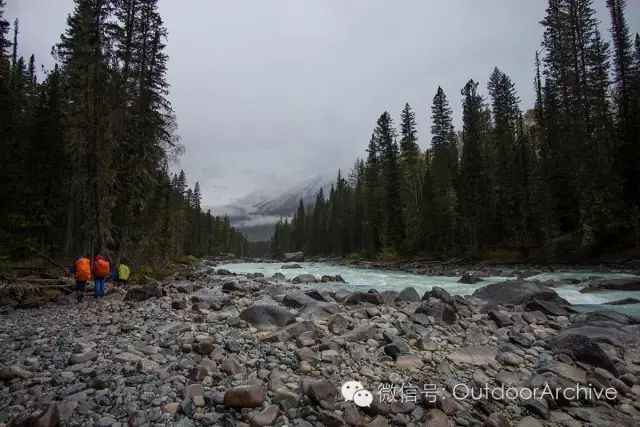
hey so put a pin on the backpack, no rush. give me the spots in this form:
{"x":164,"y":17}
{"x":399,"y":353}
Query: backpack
{"x":83,"y":269}
{"x":101,"y":268}
{"x":123,"y":272}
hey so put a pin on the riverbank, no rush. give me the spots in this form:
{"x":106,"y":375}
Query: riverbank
{"x":207,"y":347}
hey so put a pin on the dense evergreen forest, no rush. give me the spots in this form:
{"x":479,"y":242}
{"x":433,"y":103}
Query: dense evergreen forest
{"x":559,"y":180}
{"x":85,"y":153}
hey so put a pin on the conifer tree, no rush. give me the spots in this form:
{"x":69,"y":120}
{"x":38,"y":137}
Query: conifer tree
{"x":392,"y":234}
{"x":411,"y":178}
{"x":443,"y":172}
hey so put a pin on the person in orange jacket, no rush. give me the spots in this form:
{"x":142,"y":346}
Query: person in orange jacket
{"x":81,"y":270}
{"x":100,"y":273}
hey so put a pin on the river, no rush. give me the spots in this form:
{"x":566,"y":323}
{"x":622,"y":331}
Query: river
{"x":363,"y":279}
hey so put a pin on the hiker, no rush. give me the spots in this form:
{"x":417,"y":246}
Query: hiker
{"x":100,"y":273}
{"x":81,"y":270}
{"x":123,"y":274}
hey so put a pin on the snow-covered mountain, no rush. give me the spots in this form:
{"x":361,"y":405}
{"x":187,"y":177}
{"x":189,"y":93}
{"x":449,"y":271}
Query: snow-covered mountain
{"x":257,"y":212}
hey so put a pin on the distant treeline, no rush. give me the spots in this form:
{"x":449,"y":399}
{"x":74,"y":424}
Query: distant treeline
{"x":85,"y":153}
{"x":564,"y":177}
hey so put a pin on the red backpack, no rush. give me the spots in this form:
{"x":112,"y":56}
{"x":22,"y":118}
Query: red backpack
{"x":101,"y":268}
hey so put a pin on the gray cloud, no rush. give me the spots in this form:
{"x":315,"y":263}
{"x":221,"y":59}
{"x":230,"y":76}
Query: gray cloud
{"x":268,"y":93}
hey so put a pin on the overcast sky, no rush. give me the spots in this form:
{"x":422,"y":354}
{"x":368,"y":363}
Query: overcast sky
{"x":268,"y":93}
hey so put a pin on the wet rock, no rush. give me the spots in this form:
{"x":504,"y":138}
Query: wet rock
{"x":469,"y":279}
{"x":245,"y":396}
{"x":278,"y":276}
{"x":304,"y":278}
{"x":516,"y":292}
{"x":291,"y":266}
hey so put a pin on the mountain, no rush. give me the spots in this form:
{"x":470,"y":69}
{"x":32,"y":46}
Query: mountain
{"x":256,"y":213}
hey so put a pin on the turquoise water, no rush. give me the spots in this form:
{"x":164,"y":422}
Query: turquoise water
{"x":363,"y":279}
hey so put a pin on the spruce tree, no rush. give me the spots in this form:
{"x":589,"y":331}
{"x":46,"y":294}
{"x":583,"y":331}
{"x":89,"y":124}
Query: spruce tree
{"x":392,"y":234}
{"x":411,"y":178}
{"x":472,"y":189}
{"x":443,"y":172}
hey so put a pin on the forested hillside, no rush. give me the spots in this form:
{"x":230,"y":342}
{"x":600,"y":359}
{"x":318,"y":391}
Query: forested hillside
{"x":561,"y":179}
{"x":85,"y":153}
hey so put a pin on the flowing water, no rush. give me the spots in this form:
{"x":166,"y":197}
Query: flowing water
{"x":363,"y":279}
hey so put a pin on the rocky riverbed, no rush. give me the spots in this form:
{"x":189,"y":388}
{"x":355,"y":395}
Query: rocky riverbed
{"x":211,"y":348}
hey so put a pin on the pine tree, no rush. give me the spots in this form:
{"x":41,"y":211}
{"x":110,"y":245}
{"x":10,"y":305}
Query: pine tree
{"x":443,"y":172}
{"x":503,"y":160}
{"x":82,"y":52}
{"x":372,"y":209}
{"x":392,"y":233}
{"x":411,"y":179}
{"x":472,"y":173}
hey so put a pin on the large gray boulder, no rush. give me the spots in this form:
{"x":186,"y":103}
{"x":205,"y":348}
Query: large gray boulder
{"x":144,"y":292}
{"x":441,"y":311}
{"x":364,"y":297}
{"x":267,"y":316}
{"x":305,"y":278}
{"x":294,"y":256}
{"x":517,"y":292}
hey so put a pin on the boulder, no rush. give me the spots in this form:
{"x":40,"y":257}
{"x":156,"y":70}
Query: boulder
{"x":317,"y":310}
{"x":278,"y":276}
{"x":224,"y":272}
{"x":245,"y":396}
{"x":294,"y":256}
{"x":438,"y":293}
{"x":469,"y":278}
{"x":295,"y":299}
{"x":291,"y":265}
{"x":357,"y":297}
{"x":265,"y":316}
{"x":408,"y":294}
{"x":304,"y":278}
{"x":517,"y":292}
{"x":549,"y":308}
{"x":328,"y":279}
{"x":582,"y":348}
{"x":144,"y":292}
{"x":501,"y":318}
{"x":439,"y":310}
{"x":630,"y":284}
